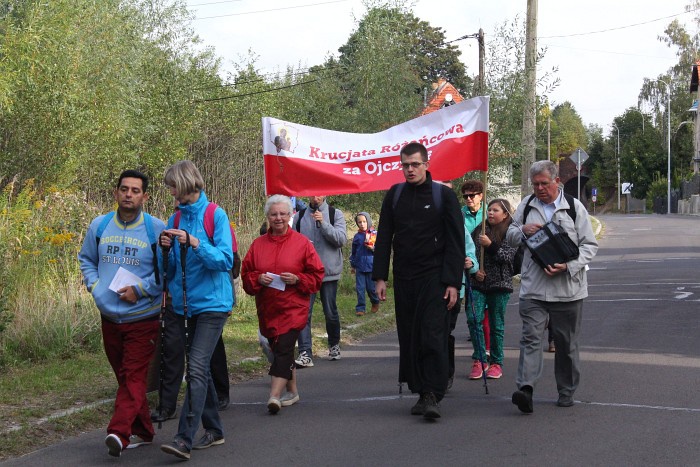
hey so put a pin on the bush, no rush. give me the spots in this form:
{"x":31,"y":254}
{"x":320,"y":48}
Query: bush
{"x":45,"y":312}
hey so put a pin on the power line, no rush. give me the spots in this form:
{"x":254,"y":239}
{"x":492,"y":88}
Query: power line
{"x":607,"y":52}
{"x":214,"y":3}
{"x":301,"y":83}
{"x":620,"y":27}
{"x":273,"y":9}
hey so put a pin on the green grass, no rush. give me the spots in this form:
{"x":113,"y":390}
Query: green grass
{"x":61,"y":398}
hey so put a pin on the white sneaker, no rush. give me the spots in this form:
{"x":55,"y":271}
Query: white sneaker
{"x":289,"y":398}
{"x":114,"y":445}
{"x":273,"y":405}
{"x":334,"y":352}
{"x":136,"y":441}
{"x":304,"y":360}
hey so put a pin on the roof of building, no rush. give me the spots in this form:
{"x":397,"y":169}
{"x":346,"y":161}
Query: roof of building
{"x":444,"y":93}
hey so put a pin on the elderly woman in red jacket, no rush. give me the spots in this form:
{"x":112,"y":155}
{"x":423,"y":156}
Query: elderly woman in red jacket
{"x":282,"y":270}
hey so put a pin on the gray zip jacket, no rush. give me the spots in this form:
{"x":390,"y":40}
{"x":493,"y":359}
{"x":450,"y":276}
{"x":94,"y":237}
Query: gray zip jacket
{"x":327,"y":239}
{"x":572,"y":284}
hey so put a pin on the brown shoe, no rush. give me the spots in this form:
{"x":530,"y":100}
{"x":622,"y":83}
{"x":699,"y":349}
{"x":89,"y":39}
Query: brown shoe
{"x":375,"y":308}
{"x":551,"y":349}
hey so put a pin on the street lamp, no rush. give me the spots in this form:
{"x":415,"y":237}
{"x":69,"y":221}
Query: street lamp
{"x":668,"y":168}
{"x":618,"y":166}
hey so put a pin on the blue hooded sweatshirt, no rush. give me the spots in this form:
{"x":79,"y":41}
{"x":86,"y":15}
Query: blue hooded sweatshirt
{"x":123,"y":245}
{"x":362,"y":258}
{"x":208,"y":282}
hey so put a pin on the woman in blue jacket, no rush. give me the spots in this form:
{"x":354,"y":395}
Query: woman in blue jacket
{"x":209,"y":294}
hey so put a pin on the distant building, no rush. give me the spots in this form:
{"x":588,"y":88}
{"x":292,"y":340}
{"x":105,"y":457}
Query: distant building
{"x":444,"y":94}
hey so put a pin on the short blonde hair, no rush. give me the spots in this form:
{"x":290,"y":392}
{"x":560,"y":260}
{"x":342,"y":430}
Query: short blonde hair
{"x":184,"y":177}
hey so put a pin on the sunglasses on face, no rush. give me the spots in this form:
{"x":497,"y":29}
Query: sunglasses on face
{"x":470,"y":195}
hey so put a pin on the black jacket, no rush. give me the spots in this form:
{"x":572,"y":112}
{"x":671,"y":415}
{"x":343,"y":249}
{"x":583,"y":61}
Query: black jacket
{"x":424,"y":240}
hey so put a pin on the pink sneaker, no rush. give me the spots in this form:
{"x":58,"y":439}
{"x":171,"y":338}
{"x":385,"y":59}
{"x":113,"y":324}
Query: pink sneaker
{"x":495,"y":371}
{"x":477,"y":372}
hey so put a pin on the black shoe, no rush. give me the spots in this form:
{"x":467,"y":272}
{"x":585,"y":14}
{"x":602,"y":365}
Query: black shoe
{"x":208,"y":440}
{"x":163,"y":415}
{"x":565,"y":401}
{"x":523,"y":399}
{"x":419,"y":408}
{"x":432,"y":409}
{"x":223,"y":403}
{"x":177,"y":448}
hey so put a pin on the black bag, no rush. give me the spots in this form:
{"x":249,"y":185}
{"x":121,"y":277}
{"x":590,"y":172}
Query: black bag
{"x":551,"y":245}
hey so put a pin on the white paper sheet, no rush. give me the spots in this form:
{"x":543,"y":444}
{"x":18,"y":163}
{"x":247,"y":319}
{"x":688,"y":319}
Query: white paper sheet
{"x":276,"y":281}
{"x":123,"y":278}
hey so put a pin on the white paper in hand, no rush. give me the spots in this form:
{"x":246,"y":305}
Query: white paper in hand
{"x":123,"y":278}
{"x":276,"y":281}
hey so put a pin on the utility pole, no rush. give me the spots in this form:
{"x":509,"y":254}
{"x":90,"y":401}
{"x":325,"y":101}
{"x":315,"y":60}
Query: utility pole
{"x":482,"y":56}
{"x":530,"y":113}
{"x":549,"y":133}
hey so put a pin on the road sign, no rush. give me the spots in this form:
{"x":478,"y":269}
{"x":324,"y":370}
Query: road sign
{"x":594,"y":191}
{"x":594,"y":198}
{"x":626,"y":188}
{"x":579,"y":156}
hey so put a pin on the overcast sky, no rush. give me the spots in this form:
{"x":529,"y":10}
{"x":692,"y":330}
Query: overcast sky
{"x":601,"y":73}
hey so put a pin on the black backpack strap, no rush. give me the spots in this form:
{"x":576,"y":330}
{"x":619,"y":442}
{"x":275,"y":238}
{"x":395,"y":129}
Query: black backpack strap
{"x":527,"y":209}
{"x":331,"y":214}
{"x":572,"y":207}
{"x":397,"y":193}
{"x":301,"y":214}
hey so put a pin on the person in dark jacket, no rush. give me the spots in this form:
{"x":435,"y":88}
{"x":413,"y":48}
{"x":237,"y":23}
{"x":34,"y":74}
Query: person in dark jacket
{"x":429,"y":257}
{"x":361,"y":262}
{"x":492,"y":286}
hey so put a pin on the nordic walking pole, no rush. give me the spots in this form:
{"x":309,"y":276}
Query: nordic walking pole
{"x":476,"y":333}
{"x":183,"y":264}
{"x":163,"y":304}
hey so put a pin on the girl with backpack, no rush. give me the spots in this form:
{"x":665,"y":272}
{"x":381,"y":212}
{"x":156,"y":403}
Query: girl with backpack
{"x":492,"y":286}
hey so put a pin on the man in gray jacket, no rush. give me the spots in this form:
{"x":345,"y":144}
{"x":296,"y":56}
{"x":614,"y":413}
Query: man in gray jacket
{"x":556,"y":292}
{"x":325,"y":227}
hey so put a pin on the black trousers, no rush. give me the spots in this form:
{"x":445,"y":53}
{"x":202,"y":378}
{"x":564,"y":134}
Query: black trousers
{"x":174,"y":362}
{"x":423,"y":327}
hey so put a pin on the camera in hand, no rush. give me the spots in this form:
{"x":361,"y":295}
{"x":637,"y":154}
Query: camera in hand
{"x":551,"y":245}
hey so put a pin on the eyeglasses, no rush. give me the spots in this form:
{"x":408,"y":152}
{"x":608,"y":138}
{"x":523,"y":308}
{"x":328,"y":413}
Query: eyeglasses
{"x":415,"y":165}
{"x":278,"y":214}
{"x":470,"y":195}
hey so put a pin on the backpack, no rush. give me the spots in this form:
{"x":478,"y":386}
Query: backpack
{"x":520,"y":253}
{"x":437,"y":195}
{"x":331,"y":217}
{"x":148,"y":222}
{"x":209,"y":229}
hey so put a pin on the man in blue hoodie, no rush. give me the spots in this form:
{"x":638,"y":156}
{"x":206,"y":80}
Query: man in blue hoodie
{"x":121,"y":244}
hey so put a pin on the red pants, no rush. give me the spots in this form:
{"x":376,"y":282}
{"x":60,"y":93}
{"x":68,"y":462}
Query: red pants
{"x":129,"y":348}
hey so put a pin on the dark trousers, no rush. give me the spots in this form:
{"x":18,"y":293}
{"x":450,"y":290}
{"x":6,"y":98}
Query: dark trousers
{"x":423,"y":328}
{"x":174,"y":362}
{"x":454,"y":314}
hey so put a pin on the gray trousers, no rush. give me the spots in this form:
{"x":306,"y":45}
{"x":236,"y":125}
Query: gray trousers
{"x":565,"y":319}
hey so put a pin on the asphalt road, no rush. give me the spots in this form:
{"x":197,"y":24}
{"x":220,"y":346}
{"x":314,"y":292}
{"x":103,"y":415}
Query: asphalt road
{"x":637,"y":403}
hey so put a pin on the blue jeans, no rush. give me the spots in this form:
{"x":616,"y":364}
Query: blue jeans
{"x":330,"y":309}
{"x":204,"y":330}
{"x":365,"y":284}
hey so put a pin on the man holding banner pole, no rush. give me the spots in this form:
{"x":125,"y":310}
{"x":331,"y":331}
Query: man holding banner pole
{"x":421,"y":220}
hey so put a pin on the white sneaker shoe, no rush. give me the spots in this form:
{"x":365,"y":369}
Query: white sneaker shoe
{"x":114,"y":445}
{"x":289,"y":398}
{"x":334,"y":352}
{"x":304,"y":360}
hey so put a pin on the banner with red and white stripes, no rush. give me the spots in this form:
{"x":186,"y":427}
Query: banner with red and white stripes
{"x":306,"y":161}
